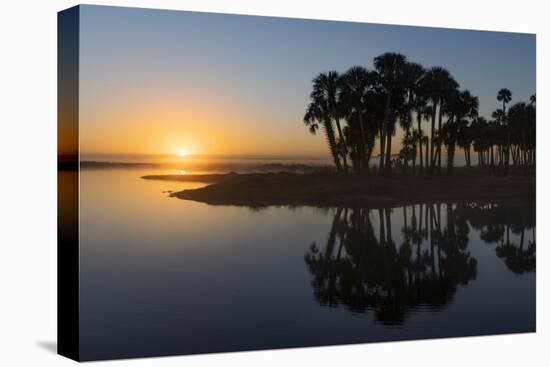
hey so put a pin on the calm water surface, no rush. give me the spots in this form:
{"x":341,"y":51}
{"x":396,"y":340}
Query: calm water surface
{"x":161,"y":275}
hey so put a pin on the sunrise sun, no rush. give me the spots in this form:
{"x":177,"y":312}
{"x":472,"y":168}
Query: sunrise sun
{"x":183,"y":152}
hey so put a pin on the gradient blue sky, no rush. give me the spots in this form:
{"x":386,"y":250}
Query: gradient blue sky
{"x":154,"y":81}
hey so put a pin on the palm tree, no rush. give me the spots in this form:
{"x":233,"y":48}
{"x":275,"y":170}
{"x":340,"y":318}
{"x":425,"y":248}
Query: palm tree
{"x":417,"y":101}
{"x":464,"y":139}
{"x":391,"y":70}
{"x":504,"y":95}
{"x":448,"y":92}
{"x":418,"y":136}
{"x":437,"y":82}
{"x":407,"y":151}
{"x":498,"y":115}
{"x":533,"y":99}
{"x":326,"y":88}
{"x":447,"y":134}
{"x":466,"y":133}
{"x":460,"y":107}
{"x":355,"y":84}
{"x":521,"y":117}
{"x":516,"y":121}
{"x":480,"y":142}
{"x":317,"y":114}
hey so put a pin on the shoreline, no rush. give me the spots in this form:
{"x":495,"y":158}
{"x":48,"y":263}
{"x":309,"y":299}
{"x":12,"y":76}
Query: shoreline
{"x":329,"y":190}
{"x":218,"y":166}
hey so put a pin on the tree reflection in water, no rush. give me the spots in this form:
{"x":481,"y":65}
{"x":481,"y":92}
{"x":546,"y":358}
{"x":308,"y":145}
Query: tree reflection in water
{"x":362,"y":267}
{"x":496,"y":223}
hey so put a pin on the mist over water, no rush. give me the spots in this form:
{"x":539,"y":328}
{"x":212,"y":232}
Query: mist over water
{"x":203,"y":164}
{"x":200,"y":164}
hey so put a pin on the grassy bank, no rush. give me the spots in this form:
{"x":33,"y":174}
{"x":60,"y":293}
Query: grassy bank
{"x":326,"y":189}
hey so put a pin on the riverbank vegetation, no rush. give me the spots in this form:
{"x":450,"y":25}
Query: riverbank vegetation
{"x":329,"y":189}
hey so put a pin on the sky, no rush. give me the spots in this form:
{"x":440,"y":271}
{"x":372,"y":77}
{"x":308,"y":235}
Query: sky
{"x":157,"y":81}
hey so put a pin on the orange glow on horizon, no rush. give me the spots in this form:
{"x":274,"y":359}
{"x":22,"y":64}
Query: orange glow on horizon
{"x":165,"y":118}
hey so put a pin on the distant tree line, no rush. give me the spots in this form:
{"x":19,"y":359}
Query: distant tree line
{"x":361,"y":107}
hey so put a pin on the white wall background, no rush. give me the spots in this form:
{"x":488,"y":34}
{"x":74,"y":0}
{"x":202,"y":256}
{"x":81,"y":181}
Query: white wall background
{"x":28,"y":182}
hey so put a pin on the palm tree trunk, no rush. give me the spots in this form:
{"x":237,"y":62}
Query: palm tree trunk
{"x":509,"y":138}
{"x":364,"y":163}
{"x":384,"y":131}
{"x":432,"y":143}
{"x":382,"y":233}
{"x":523,"y":147}
{"x":382,"y":150}
{"x":419,"y":121}
{"x":426,"y":159}
{"x":439,"y":140}
{"x":450,"y":146}
{"x":421,"y":163}
{"x":329,"y":131}
{"x":344,"y":146}
{"x":388,"y":165}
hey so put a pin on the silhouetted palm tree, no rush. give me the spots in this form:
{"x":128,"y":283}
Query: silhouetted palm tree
{"x":355,"y":84}
{"x":439,"y":85}
{"x":391,"y":69}
{"x":417,"y":101}
{"x":407,"y":152}
{"x":316,"y":115}
{"x":521,"y":120}
{"x":461,"y":107}
{"x":504,"y":95}
{"x":464,"y":139}
{"x":480,"y":140}
{"x":326,"y":88}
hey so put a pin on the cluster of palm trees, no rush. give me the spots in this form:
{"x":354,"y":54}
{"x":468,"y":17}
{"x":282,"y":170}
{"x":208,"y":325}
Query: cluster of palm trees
{"x":508,"y":139}
{"x":361,"y":107}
